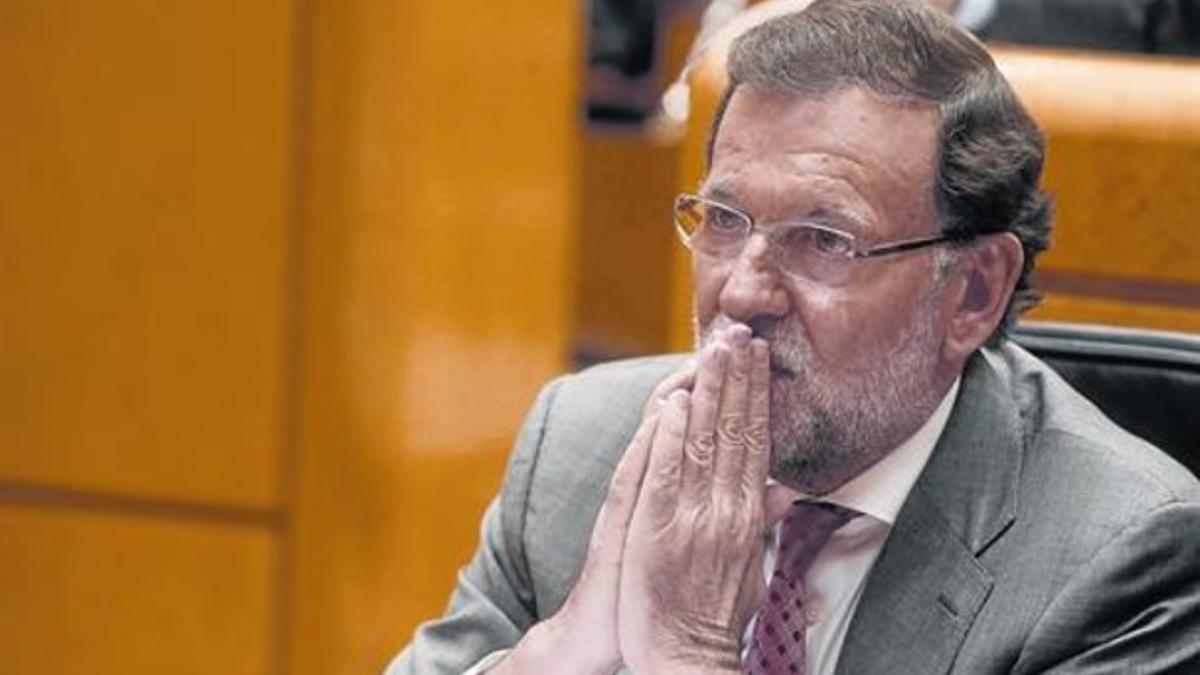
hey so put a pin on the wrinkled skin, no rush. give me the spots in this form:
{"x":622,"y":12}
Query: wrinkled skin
{"x":692,"y":573}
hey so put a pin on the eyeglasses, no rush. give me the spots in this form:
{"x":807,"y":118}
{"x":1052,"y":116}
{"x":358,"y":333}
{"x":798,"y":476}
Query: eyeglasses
{"x":814,"y":252}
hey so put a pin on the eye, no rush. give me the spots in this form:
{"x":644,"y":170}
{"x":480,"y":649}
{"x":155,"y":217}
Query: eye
{"x":829,"y":242}
{"x":816,"y":253}
{"x":722,"y":221}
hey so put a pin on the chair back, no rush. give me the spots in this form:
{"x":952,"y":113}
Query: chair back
{"x":1146,"y":381}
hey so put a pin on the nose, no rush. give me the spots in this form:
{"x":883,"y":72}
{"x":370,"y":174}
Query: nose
{"x":754,"y":292}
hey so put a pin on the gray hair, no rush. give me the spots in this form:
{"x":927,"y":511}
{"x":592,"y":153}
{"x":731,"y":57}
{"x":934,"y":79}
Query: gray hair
{"x":990,"y":151}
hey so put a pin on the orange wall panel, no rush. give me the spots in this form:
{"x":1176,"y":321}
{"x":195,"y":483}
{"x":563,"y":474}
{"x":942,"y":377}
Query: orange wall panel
{"x":87,"y":593}
{"x":1126,"y":206}
{"x":1123,"y":159}
{"x":628,"y":186}
{"x":1058,"y":307}
{"x":440,"y":207}
{"x":142,"y":238}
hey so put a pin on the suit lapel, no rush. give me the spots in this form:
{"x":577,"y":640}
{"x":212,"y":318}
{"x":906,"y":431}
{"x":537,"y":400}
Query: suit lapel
{"x":927,"y":586}
{"x":920,"y":599}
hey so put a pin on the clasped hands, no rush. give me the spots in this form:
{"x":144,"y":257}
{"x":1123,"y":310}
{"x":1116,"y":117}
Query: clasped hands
{"x":674,"y":566}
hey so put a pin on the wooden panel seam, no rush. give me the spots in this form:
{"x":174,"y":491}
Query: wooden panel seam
{"x":1138,"y":290}
{"x":292,"y":342}
{"x":57,"y":498}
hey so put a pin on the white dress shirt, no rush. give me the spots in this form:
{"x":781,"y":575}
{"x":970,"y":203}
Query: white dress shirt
{"x":837,"y":576}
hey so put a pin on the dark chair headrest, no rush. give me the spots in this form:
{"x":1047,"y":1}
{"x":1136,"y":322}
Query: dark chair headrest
{"x":1146,"y":381}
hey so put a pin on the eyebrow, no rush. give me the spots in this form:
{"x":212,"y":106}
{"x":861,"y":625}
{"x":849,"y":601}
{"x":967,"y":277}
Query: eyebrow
{"x":841,"y":217}
{"x":825,"y":212}
{"x":718,"y":191}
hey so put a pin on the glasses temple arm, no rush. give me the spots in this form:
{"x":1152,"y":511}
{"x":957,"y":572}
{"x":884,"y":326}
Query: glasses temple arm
{"x":906,"y":245}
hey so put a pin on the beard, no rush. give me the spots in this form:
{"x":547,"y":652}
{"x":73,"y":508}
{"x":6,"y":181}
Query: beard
{"x":829,"y":422}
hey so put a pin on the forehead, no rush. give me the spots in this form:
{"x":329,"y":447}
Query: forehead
{"x":775,"y":151}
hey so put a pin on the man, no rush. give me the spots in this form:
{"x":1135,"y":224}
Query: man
{"x":857,"y":472}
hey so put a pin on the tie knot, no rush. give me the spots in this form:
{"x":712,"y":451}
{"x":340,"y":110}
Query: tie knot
{"x":805,"y":530}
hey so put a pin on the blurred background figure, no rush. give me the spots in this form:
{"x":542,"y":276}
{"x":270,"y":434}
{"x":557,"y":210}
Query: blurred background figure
{"x":1148,"y":26}
{"x":621,"y":59}
{"x":278,"y":280}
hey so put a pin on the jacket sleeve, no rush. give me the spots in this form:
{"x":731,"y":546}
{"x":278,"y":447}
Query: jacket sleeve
{"x":1134,"y":609}
{"x":492,"y":604}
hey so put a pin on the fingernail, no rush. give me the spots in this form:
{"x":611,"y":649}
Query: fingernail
{"x":758,"y":346}
{"x":679,"y":397}
{"x":739,"y":334}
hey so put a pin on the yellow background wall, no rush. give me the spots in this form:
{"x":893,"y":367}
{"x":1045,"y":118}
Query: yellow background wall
{"x":278,"y":280}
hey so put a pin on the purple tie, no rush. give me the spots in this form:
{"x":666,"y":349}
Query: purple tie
{"x":777,"y":646}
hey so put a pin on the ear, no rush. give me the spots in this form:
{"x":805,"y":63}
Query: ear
{"x":989,"y":273}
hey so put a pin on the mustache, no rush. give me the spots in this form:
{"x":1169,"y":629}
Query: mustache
{"x":790,"y":349}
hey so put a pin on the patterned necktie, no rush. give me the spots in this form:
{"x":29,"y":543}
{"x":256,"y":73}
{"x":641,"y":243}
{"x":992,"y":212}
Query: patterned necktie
{"x":777,"y":646}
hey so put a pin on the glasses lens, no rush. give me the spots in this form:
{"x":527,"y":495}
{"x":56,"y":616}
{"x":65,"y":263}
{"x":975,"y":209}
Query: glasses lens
{"x":710,"y":228}
{"x":816,"y":253}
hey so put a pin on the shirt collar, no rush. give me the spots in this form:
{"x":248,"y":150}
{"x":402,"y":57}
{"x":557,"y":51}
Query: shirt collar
{"x":880,"y":491}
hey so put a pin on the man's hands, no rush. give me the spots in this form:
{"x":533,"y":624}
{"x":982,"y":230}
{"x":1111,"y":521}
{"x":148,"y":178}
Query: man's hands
{"x":691,"y":573}
{"x":674,"y":566}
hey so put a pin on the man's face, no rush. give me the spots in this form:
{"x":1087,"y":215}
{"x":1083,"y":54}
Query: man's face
{"x":855,"y":365}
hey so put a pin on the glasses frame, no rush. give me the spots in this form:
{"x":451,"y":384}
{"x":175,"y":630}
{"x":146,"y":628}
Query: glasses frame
{"x":858,"y":250}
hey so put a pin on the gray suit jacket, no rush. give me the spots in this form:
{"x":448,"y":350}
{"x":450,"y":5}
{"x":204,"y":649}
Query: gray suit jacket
{"x":1039,"y":538}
